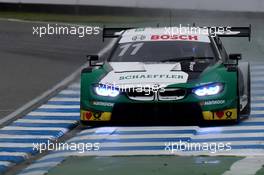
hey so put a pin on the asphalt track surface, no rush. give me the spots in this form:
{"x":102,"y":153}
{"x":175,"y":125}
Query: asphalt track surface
{"x":61,"y":113}
{"x":54,"y":58}
{"x":30,"y":65}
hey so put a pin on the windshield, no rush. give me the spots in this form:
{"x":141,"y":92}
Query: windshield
{"x":161,"y":51}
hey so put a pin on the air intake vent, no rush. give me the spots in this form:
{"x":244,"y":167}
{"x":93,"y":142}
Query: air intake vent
{"x":172,"y":94}
{"x":140,"y":94}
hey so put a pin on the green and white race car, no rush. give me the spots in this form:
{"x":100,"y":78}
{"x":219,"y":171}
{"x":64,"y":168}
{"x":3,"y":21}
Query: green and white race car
{"x":152,"y":76}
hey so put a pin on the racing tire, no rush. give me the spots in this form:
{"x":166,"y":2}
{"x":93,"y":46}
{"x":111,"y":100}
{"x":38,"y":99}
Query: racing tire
{"x":246,"y":111}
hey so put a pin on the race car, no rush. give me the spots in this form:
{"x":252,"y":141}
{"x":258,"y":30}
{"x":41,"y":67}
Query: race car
{"x":155,"y":76}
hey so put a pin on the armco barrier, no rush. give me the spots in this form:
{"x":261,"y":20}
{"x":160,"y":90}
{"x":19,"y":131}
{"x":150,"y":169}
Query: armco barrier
{"x":222,"y":5}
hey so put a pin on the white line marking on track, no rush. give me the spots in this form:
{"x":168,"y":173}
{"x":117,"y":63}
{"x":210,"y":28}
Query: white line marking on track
{"x":112,"y":130}
{"x":41,"y":165}
{"x":257,"y":105}
{"x":44,"y":121}
{"x":254,"y":119}
{"x":10,"y":136}
{"x":38,"y":22}
{"x":247,"y":166}
{"x":62,"y":114}
{"x":109,"y":137}
{"x":162,"y":144}
{"x":168,"y":136}
{"x":16,"y":145}
{"x":257,"y":78}
{"x":17,"y":128}
{"x":14,"y":154}
{"x":257,"y":85}
{"x":5,"y":163}
{"x":257,"y":68}
{"x":239,"y":152}
{"x":70,"y":92}
{"x":37,"y":172}
{"x":64,"y":82}
{"x":257,"y":74}
{"x":257,"y":112}
{"x":143,"y":128}
{"x":75,"y":85}
{"x":259,"y":91}
{"x":60,"y":107}
{"x":65,"y":99}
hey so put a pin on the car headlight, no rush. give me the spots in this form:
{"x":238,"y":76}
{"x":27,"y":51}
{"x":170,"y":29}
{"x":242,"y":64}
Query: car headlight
{"x":210,"y":89}
{"x":104,"y":90}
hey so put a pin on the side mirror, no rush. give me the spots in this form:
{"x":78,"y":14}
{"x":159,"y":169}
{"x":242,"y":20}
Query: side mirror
{"x":235,"y":56}
{"x":92,"y":58}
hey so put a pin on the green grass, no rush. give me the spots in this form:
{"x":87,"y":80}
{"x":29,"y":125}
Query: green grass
{"x":144,"y":165}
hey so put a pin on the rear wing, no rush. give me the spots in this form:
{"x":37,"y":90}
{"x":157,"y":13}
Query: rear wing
{"x":234,"y":32}
{"x":113,"y":32}
{"x":219,"y":31}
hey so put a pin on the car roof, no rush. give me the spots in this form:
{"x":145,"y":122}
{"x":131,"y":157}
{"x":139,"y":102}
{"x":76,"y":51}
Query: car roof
{"x":165,"y":34}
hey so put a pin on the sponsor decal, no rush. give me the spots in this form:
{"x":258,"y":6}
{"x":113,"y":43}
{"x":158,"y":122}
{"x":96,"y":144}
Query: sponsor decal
{"x":175,"y":37}
{"x":100,"y":103}
{"x":223,"y":114}
{"x":191,"y":66}
{"x":197,"y":66}
{"x":213,"y":102}
{"x":219,"y":114}
{"x":138,"y":37}
{"x":229,"y":114}
{"x":139,"y":30}
{"x":150,"y":76}
{"x":95,"y":116}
